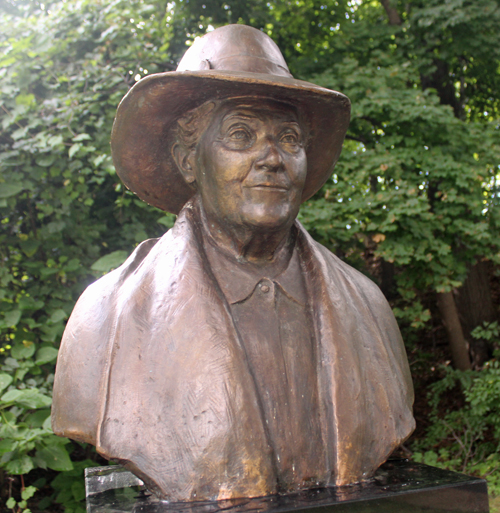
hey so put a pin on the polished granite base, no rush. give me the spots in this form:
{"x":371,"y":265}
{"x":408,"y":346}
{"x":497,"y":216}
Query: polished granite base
{"x":399,"y":486}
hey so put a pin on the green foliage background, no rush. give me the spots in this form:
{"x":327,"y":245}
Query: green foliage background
{"x":416,"y":185}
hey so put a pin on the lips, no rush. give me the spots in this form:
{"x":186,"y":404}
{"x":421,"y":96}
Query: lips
{"x":269,"y":186}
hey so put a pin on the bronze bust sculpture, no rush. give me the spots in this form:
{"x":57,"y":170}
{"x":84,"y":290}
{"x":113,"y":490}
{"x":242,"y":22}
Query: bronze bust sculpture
{"x":235,"y":356}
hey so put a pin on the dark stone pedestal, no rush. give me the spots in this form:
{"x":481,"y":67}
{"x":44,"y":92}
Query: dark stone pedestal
{"x":398,"y":487}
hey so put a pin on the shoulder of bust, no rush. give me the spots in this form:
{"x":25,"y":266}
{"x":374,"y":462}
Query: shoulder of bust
{"x":340,"y":269}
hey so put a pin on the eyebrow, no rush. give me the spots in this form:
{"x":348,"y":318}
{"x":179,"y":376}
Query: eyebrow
{"x":249,"y":115}
{"x":239,"y":114}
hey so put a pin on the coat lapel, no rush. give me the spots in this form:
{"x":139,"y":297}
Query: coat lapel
{"x":179,"y":385}
{"x":363,"y":373}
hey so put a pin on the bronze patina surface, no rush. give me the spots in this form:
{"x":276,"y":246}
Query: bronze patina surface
{"x":234,"y":356}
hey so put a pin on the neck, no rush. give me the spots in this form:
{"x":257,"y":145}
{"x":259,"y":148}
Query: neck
{"x":254,"y":245}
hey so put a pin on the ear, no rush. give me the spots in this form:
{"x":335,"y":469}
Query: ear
{"x":184,"y":159}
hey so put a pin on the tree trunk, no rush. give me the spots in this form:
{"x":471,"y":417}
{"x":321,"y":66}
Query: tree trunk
{"x":451,"y":321}
{"x":392,"y":13}
{"x":445,"y":87}
{"x":475,"y":307}
{"x":387,"y":280}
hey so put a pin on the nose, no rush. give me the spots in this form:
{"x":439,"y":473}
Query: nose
{"x":270,"y":157}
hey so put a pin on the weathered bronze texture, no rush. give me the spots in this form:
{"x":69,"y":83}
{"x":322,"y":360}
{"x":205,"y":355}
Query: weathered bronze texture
{"x":235,"y":356}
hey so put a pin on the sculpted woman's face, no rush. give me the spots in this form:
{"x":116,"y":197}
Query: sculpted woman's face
{"x":250,"y":165}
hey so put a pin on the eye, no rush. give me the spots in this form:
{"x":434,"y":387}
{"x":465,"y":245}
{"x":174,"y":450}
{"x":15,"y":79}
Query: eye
{"x":238,"y":137}
{"x":291,"y":138}
{"x":239,"y":134}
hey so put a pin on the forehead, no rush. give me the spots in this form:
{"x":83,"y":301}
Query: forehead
{"x":261,"y":109}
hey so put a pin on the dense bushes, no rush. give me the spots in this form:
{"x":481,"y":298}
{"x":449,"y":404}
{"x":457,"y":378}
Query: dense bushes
{"x":413,"y":203}
{"x":467,"y":437}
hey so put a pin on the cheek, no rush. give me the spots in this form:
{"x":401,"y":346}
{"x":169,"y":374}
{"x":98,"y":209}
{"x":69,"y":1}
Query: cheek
{"x":210,"y":170}
{"x":220,"y":181}
{"x":299,"y":170}
{"x":229,"y":169}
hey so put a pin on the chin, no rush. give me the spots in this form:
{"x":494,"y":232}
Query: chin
{"x":269,"y":218}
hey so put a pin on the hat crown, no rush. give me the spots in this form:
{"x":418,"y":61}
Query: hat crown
{"x":235,"y":48}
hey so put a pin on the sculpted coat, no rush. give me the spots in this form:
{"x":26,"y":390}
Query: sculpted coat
{"x":191,"y":427}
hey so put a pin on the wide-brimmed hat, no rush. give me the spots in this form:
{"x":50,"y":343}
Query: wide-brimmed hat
{"x":231,"y":61}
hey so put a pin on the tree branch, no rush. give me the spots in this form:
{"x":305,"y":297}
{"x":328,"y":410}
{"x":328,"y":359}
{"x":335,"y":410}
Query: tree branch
{"x":358,"y":139}
{"x":371,"y":120}
{"x":392,"y":13}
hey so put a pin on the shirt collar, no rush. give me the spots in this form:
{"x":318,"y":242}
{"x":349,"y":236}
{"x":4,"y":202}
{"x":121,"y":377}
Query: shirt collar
{"x":239,"y":279}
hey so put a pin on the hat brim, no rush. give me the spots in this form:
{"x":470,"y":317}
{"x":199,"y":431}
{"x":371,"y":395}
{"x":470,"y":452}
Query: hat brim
{"x":146,"y":120}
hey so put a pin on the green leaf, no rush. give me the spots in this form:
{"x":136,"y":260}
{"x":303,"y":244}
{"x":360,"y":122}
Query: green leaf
{"x":7,"y":445}
{"x":45,"y":160}
{"x":74,"y":149}
{"x":45,"y":503}
{"x":46,"y":355}
{"x":12,"y":318}
{"x":55,"y":457}
{"x":25,"y":99}
{"x":10,"y":189}
{"x":30,"y":398}
{"x":11,"y":363}
{"x":28,"y":492}
{"x":20,"y":133}
{"x":58,"y":316}
{"x":5,"y":380}
{"x":21,"y":465}
{"x":55,"y":140}
{"x":110,"y":261}
{"x":7,"y":456}
{"x":167,"y":220}
{"x":11,"y":503}
{"x":47,"y":424}
{"x":81,"y":137}
{"x":56,"y":227}
{"x":30,"y":247}
{"x":78,"y":490}
{"x":23,"y":350}
{"x":37,"y":418}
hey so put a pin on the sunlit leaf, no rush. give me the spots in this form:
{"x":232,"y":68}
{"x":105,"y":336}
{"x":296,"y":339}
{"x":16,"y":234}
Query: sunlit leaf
{"x":5,"y":380}
{"x":28,"y":398}
{"x":110,"y":261}
{"x":58,"y":316}
{"x":12,"y":318}
{"x":21,"y":465}
{"x":9,"y":189}
{"x":46,"y":355}
{"x":55,"y":457}
{"x":21,"y":351}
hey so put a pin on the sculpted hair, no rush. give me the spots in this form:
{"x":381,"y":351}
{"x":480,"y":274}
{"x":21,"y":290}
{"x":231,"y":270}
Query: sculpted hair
{"x":191,"y":126}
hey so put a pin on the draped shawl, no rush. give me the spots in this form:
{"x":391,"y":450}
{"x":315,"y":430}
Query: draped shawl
{"x":152,"y":371}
